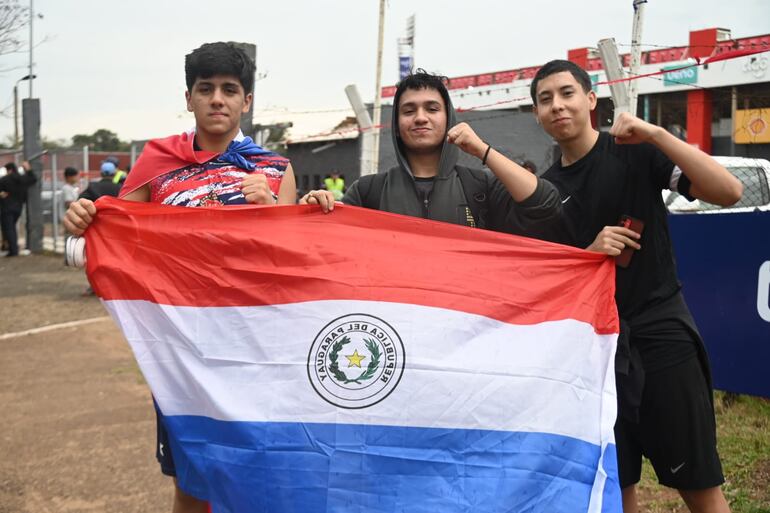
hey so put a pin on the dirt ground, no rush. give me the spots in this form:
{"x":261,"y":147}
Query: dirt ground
{"x":77,"y":425}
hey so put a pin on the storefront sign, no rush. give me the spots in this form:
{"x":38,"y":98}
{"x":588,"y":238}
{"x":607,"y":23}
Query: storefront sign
{"x":678,"y":76}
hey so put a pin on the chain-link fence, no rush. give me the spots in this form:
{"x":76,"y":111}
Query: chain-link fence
{"x":50,"y":182}
{"x":753,"y":174}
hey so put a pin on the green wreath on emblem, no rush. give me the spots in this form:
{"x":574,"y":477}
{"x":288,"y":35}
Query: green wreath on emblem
{"x":371,"y":369}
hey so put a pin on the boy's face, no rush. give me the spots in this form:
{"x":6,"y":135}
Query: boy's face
{"x":563,"y":107}
{"x":71,"y":179}
{"x":217,"y":103}
{"x":422,"y":120}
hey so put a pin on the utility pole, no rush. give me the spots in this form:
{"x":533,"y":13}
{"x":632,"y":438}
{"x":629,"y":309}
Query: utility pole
{"x":16,"y":109}
{"x":33,"y":150}
{"x":636,"y":53}
{"x":613,"y":68}
{"x":31,"y":42}
{"x":30,"y":108}
{"x":365,"y":126}
{"x":16,"y":115}
{"x":247,"y":118}
{"x":378,"y":92}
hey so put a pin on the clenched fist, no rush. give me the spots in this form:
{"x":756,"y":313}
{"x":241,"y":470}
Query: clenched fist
{"x":79,"y":215}
{"x":256,"y":190}
{"x":629,"y":129}
{"x":463,"y":136}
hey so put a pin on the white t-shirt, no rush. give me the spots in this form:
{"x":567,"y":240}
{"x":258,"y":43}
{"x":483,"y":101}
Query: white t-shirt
{"x":70,"y":193}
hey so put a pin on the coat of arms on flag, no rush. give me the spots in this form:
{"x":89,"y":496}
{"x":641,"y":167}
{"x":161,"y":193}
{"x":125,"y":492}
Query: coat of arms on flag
{"x":372,"y":357}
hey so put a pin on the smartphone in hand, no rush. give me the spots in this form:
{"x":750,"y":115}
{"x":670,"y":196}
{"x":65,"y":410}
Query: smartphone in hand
{"x":637,"y":225}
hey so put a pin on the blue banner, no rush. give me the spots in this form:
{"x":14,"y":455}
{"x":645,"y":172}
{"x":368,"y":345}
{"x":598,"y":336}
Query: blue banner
{"x":724,"y":265}
{"x":404,"y":66}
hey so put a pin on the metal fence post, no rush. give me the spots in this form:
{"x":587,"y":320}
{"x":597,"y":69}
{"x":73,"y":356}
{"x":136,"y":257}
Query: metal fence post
{"x":55,"y":200}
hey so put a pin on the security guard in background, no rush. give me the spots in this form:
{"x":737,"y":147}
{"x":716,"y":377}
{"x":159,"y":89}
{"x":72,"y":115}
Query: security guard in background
{"x":120,"y":176}
{"x":335,"y":184}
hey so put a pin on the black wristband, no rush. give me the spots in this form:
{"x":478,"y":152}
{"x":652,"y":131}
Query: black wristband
{"x":486,"y":154}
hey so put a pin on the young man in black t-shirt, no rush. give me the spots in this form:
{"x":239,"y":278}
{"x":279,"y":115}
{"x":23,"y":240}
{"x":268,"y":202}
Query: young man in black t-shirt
{"x":665,"y":397}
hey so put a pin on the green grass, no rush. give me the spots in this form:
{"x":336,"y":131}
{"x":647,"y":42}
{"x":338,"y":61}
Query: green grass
{"x":743,"y":430}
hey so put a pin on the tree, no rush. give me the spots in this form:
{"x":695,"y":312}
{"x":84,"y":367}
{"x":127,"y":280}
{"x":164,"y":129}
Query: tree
{"x":13,"y":17}
{"x":55,"y":144}
{"x":48,"y":144}
{"x":101,"y":140}
{"x":7,"y":143}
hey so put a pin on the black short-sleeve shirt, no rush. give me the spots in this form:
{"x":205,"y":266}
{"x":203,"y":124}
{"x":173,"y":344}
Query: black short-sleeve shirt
{"x":610,"y":181}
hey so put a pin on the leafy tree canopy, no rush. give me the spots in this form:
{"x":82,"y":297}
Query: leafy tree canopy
{"x":101,"y":140}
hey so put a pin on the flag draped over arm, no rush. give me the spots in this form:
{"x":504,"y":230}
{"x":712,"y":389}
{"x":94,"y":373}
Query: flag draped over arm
{"x":364,"y":361}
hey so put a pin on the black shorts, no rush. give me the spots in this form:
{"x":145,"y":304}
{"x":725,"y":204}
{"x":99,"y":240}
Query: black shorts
{"x":676,"y":431}
{"x":162,"y":447}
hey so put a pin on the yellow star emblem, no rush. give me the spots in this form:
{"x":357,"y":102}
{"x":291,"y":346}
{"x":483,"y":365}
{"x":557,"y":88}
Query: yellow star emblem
{"x":354,"y":360}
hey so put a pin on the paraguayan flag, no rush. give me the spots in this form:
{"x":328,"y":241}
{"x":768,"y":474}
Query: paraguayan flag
{"x":366,"y":362}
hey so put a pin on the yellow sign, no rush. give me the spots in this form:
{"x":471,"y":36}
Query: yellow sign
{"x":752,"y":126}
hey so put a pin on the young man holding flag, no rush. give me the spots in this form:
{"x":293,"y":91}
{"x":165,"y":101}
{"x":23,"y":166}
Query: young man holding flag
{"x":666,"y":411}
{"x":212,"y":165}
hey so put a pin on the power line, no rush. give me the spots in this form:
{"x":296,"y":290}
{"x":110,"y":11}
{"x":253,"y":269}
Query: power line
{"x":721,"y":44}
{"x":272,"y":112}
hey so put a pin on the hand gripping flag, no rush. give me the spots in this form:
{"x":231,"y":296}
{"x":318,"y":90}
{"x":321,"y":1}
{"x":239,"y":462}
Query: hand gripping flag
{"x":366,"y":362}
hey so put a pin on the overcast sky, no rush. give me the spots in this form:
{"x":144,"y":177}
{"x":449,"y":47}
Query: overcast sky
{"x":120,"y":64}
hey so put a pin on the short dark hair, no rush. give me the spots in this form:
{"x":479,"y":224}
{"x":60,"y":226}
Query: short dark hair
{"x":219,"y":58}
{"x":70,"y":171}
{"x":11,"y":167}
{"x":559,"y":66}
{"x":421,"y":79}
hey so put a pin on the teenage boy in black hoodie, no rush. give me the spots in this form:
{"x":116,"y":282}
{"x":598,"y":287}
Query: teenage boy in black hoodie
{"x":429,"y":183}
{"x":665,"y":408}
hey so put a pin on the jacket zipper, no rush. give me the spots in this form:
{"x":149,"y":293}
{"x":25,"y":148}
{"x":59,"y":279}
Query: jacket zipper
{"x":425,"y":200}
{"x":426,"y":205}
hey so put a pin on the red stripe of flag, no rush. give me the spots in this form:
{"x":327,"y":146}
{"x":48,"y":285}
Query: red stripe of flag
{"x":253,"y":256}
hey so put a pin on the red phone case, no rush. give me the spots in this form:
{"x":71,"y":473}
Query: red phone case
{"x":637,"y":225}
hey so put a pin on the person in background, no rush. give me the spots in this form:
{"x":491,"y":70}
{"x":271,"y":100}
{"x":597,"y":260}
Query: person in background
{"x":13,"y":193}
{"x":335,"y":184}
{"x":71,"y":188}
{"x":104,"y":187}
{"x":120,"y":175}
